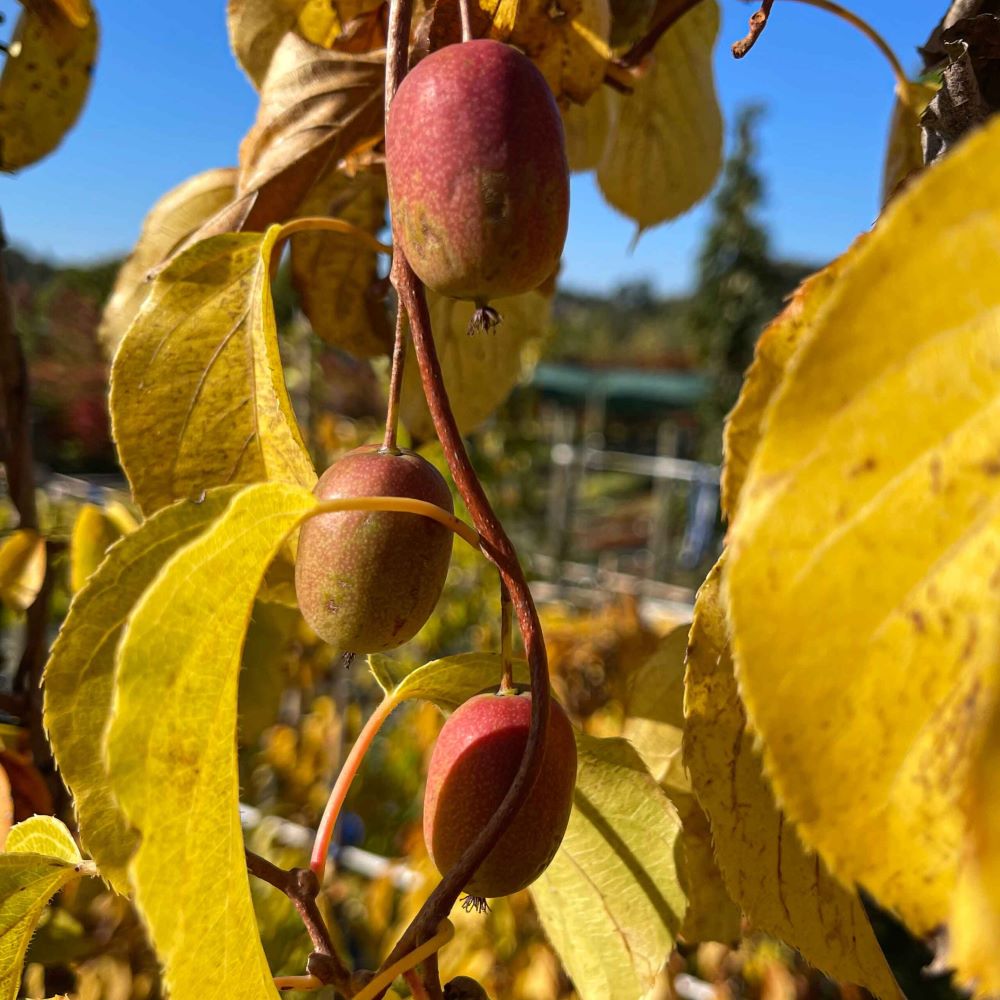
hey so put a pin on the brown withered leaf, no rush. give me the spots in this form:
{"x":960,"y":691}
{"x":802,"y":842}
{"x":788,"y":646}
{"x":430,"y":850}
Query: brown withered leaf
{"x":256,"y":28}
{"x":366,"y":32}
{"x":334,"y":274}
{"x":316,"y":107}
{"x":169,"y":223}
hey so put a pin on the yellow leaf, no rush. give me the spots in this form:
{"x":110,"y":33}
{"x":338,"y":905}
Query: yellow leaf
{"x":569,"y":44}
{"x":27,"y":883}
{"x":79,"y":12}
{"x":171,"y":746}
{"x":782,"y":889}
{"x":772,"y":354}
{"x":904,"y":155}
{"x":335,"y":274}
{"x":654,"y":725}
{"x":665,"y":146}
{"x":611,"y":901}
{"x":169,"y":223}
{"x":263,"y":675}
{"x":22,"y":568}
{"x":975,"y":921}
{"x":93,"y":534}
{"x":447,"y":682}
{"x":78,"y":678}
{"x":44,"y":835}
{"x":860,"y":583}
{"x":120,"y":516}
{"x":198,"y":397}
{"x":586,"y":128}
{"x":44,"y":83}
{"x":256,"y":27}
{"x":479,"y":370}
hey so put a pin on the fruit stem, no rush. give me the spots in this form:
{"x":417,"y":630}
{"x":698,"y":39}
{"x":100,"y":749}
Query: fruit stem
{"x":758,"y":22}
{"x":338,"y":794}
{"x":463,"y":8}
{"x":395,"y":382}
{"x":506,"y":640}
{"x":495,"y":544}
{"x":400,"y":505}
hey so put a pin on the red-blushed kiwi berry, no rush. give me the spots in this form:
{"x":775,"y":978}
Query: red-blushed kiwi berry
{"x":366,"y":581}
{"x":478,"y":179}
{"x":474,"y":763}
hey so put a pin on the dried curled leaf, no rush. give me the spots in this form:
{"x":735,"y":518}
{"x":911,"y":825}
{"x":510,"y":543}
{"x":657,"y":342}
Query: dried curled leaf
{"x":781,"y":888}
{"x":170,"y":222}
{"x":45,"y":82}
{"x":316,"y":107}
{"x":199,"y":373}
{"x":904,"y":155}
{"x":335,"y":274}
{"x":862,"y":578}
{"x":568,"y":42}
{"x":479,"y":370}
{"x":665,"y":146}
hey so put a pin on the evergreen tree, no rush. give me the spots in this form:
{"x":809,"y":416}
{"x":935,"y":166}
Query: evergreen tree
{"x":739,"y":286}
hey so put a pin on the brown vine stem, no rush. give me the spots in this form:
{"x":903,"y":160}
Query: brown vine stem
{"x":506,"y":640}
{"x":496,"y":545}
{"x":301,"y":886}
{"x":463,"y":10}
{"x":757,"y":26}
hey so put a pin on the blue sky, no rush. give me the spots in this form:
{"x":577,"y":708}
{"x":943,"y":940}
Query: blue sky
{"x":168,"y":101}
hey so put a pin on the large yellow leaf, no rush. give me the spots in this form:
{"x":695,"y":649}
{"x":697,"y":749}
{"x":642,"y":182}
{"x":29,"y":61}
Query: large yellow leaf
{"x":479,"y":370}
{"x":335,"y":274}
{"x":44,"y":83}
{"x":975,"y":922}
{"x":654,"y":725}
{"x":169,"y":223}
{"x":611,"y":901}
{"x":570,"y":47}
{"x":772,"y":353}
{"x":171,"y":746}
{"x":197,"y":393}
{"x":22,"y":568}
{"x":781,"y":888}
{"x":665,"y":146}
{"x":78,"y":679}
{"x":864,"y":552}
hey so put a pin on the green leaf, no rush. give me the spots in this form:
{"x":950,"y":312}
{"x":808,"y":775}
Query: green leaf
{"x":449,"y":681}
{"x":198,"y":397}
{"x":43,"y":835}
{"x":611,"y":901}
{"x":27,"y":883}
{"x":45,"y":81}
{"x":78,"y":679}
{"x":171,"y":746}
{"x":665,"y":146}
{"x":479,"y":371}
